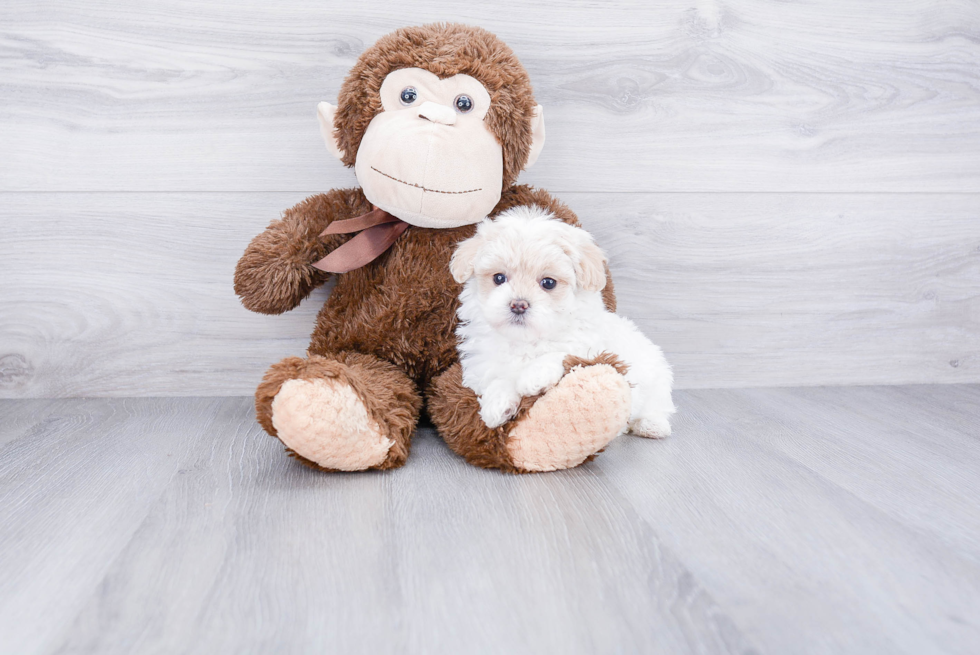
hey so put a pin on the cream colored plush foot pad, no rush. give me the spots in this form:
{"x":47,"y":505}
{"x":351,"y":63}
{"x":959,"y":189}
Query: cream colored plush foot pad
{"x":577,"y":418}
{"x":326,"y":422}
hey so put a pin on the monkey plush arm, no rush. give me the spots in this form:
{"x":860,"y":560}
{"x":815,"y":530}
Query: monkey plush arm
{"x":276,"y":272}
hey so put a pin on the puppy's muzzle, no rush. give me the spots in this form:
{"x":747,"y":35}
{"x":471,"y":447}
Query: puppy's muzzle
{"x":519,"y":306}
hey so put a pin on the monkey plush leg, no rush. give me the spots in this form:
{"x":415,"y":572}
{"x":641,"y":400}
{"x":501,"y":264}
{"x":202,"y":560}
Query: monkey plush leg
{"x":342,"y":412}
{"x":560,"y":429}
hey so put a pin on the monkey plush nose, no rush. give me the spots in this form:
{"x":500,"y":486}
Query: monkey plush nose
{"x":437,"y":113}
{"x":518,"y":306}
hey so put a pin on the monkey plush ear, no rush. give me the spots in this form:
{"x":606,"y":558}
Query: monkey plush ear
{"x":537,"y":136}
{"x":461,"y":265}
{"x":325,"y":112}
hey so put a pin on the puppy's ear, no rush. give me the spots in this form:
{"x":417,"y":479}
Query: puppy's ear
{"x":590,"y":270}
{"x":586,"y":256}
{"x":461,"y":265}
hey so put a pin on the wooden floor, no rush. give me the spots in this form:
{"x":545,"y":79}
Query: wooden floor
{"x":833,"y":520}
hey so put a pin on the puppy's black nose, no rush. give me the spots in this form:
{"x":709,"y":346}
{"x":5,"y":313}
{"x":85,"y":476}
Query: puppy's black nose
{"x":519,"y":306}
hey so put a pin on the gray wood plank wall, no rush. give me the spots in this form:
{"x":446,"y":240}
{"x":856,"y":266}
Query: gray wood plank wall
{"x":789,"y":192}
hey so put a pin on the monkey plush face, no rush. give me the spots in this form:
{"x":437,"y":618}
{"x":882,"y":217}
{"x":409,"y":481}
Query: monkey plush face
{"x":428,"y":158}
{"x":444,"y":137}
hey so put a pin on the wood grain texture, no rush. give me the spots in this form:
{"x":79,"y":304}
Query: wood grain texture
{"x":131,"y":294}
{"x":769,"y":289}
{"x":819,"y":520}
{"x":789,"y":194}
{"x":703,"y":95}
{"x":806,"y":506}
{"x":246,"y":550}
{"x":104,"y":464}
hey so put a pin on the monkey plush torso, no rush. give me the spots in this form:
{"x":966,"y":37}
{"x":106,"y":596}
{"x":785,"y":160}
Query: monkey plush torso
{"x":384,"y":342}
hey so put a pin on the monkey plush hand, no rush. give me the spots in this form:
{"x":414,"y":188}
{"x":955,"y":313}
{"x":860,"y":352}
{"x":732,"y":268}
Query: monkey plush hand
{"x":437,"y":122}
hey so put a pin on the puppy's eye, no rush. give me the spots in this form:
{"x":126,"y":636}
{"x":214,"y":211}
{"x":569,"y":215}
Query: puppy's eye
{"x":548,"y":283}
{"x":408,"y":95}
{"x":499,"y":278}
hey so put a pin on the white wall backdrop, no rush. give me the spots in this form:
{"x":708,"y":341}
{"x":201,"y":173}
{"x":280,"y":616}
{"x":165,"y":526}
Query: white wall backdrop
{"x":789,"y":192}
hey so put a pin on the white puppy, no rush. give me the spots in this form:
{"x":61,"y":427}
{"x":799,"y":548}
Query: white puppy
{"x":532,"y":296}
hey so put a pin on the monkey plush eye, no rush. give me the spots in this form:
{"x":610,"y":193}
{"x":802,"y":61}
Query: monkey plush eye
{"x":499,"y":278}
{"x":548,"y":283}
{"x":463,"y":103}
{"x":409,"y":95}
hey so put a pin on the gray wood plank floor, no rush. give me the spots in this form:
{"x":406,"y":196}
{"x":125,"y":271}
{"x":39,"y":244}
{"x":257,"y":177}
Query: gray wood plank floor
{"x":805,"y":520}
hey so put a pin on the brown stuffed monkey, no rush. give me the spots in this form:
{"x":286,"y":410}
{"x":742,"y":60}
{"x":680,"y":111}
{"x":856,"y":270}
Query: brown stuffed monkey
{"x":437,"y":122}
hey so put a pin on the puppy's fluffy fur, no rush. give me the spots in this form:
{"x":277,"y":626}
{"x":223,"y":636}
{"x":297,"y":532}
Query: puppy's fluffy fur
{"x":506,"y":354}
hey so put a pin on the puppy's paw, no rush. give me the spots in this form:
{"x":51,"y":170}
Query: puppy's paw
{"x":651,"y":427}
{"x":498,"y":405}
{"x":540,"y":376}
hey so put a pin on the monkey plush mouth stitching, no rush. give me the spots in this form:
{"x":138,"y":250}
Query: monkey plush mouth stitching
{"x":419,"y":186}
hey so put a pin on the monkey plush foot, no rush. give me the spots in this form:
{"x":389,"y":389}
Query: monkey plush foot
{"x":560,"y":429}
{"x":340,"y":412}
{"x":326,"y":422}
{"x":574,"y":420}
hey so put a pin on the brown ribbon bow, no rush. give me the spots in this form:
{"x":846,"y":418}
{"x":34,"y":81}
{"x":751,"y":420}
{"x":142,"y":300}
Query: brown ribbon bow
{"x":378,"y":230}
